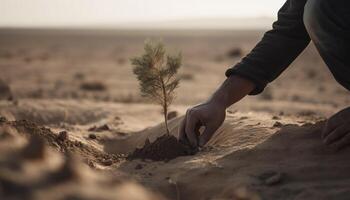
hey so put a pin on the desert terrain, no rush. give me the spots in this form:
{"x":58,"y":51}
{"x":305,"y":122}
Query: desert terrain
{"x":71,"y":113}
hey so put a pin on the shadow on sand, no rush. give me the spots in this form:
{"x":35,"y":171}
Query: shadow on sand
{"x":291,"y":163}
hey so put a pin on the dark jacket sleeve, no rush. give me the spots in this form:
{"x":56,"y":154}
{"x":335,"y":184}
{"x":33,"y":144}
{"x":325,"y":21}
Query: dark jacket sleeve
{"x":277,"y":49}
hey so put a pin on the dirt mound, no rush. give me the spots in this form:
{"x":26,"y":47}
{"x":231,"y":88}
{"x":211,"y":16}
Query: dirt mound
{"x":164,"y":148}
{"x":63,"y":144}
{"x":29,"y":170}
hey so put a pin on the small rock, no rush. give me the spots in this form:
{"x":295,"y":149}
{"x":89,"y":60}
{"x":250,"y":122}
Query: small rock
{"x":92,"y":136}
{"x":107,"y":162}
{"x":92,"y":128}
{"x":62,"y":136}
{"x":103,"y":128}
{"x":3,"y":119}
{"x":277,"y":124}
{"x":91,"y":164}
{"x":78,"y":144}
{"x":276,"y":118}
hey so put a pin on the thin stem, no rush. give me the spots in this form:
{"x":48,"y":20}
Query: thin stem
{"x":165,"y":105}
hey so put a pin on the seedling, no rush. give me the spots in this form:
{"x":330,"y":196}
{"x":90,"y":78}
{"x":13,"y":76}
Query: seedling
{"x":157,"y":75}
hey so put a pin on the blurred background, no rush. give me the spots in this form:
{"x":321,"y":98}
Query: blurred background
{"x":137,"y":14}
{"x":66,"y":81}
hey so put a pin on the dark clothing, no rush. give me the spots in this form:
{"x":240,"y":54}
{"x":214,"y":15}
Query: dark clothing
{"x":325,"y":22}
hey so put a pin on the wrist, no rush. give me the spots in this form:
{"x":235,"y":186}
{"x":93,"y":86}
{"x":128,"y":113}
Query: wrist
{"x":220,"y":98}
{"x":232,"y":90}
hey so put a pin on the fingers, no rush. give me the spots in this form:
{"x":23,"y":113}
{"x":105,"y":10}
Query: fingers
{"x":342,"y":142}
{"x":336,"y":134}
{"x":207,"y":134}
{"x":182,"y":133}
{"x":191,"y":122}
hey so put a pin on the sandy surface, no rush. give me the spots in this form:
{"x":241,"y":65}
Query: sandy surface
{"x":269,"y":146}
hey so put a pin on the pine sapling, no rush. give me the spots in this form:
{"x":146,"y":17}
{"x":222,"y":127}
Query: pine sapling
{"x":157,"y":75}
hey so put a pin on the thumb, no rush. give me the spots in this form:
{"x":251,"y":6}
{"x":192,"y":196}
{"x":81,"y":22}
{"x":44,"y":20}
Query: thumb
{"x":190,"y":129}
{"x":207,"y":134}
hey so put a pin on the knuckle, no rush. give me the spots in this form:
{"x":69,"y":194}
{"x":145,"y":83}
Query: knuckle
{"x":189,"y":112}
{"x":192,"y":111}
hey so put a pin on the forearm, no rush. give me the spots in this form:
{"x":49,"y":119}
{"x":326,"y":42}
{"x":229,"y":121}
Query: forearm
{"x":233,"y":89}
{"x":277,"y":49}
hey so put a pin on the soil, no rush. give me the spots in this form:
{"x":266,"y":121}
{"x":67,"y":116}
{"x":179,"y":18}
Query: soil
{"x":297,"y":164}
{"x":164,"y":148}
{"x":62,"y":143}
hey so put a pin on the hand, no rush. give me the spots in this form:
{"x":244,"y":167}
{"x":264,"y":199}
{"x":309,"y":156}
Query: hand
{"x":210,"y":115}
{"x":337,"y":130}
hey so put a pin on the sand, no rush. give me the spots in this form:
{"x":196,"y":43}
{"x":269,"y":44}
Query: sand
{"x":60,"y":139}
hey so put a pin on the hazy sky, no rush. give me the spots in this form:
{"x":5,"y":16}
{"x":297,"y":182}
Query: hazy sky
{"x":42,"y":13}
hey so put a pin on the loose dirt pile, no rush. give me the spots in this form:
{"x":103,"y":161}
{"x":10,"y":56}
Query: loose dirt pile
{"x":62,"y":143}
{"x":164,"y":148}
{"x":30,"y":170}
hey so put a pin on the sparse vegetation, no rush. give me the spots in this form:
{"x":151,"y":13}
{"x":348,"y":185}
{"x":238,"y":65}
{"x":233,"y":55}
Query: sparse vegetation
{"x":157,"y":75}
{"x":235,"y":52}
{"x":93,"y":86}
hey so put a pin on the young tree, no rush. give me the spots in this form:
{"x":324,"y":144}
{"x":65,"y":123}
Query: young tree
{"x":157,"y":75}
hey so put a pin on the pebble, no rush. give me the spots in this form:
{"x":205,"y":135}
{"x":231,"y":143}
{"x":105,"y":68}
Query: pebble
{"x":277,"y":124}
{"x":62,"y":136}
{"x":92,"y":136}
{"x":107,"y":162}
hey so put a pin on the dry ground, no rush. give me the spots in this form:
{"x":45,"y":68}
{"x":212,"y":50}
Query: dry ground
{"x":75,"y":80}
